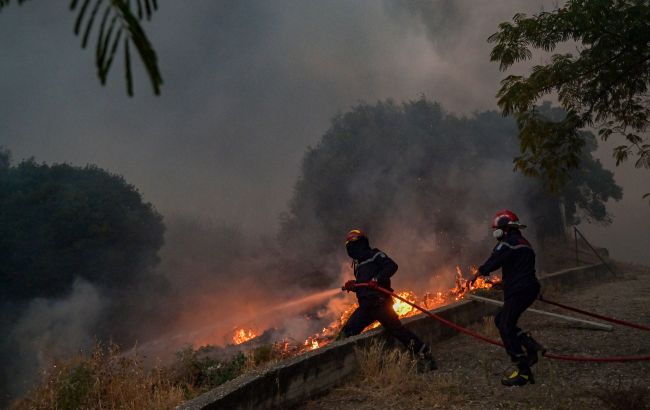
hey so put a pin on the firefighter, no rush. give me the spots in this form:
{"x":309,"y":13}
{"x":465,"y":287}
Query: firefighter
{"x":516,"y":258}
{"x":375,"y":268}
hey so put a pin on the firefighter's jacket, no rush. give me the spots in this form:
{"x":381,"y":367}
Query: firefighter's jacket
{"x":516,"y":258}
{"x":373,"y":265}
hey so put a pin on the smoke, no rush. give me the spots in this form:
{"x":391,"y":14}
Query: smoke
{"x":49,"y":329}
{"x":422,"y":183}
{"x":248,"y":86}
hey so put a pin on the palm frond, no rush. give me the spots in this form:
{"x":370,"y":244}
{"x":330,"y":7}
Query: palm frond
{"x":117,"y":20}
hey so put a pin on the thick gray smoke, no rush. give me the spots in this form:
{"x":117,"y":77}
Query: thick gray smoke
{"x":248,"y":86}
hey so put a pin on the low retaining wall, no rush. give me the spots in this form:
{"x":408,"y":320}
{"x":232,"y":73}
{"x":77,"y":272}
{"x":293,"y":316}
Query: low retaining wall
{"x":296,"y":379}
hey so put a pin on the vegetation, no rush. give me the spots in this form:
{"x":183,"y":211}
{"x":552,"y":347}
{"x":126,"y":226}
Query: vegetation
{"x":413,"y":168}
{"x":387,"y":378}
{"x":603,"y":85}
{"x":105,"y":379}
{"x":589,"y":186}
{"x":110,"y":378}
{"x":199,"y":372}
{"x":61,"y":222}
{"x":119,"y":25}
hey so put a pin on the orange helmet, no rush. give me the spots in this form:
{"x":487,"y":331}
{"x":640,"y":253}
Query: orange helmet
{"x":354,"y":235}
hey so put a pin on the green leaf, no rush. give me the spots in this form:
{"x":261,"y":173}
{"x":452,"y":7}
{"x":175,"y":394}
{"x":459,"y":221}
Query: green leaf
{"x":604,"y":81}
{"x":100,"y":38}
{"x":125,"y":25}
{"x":108,"y":63}
{"x":80,"y":16}
{"x":127,"y":68}
{"x":103,"y":70}
{"x":142,"y":44}
{"x":148,"y":9}
{"x":89,"y":24}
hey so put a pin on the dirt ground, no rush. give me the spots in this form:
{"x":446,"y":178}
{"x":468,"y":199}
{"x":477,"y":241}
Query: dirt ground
{"x":469,"y":370}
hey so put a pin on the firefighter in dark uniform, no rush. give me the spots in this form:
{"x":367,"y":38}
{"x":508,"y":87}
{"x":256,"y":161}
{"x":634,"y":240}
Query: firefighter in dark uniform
{"x":516,"y":258}
{"x":375,"y":268}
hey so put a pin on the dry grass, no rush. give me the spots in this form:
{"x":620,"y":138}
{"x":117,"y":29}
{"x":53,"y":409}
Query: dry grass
{"x":388,"y":379}
{"x":486,"y":327}
{"x":109,"y":379}
{"x":104,"y":380}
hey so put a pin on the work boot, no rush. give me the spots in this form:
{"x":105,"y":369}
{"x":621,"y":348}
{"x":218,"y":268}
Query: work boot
{"x":520,"y":376}
{"x":425,"y":363}
{"x":533,"y":348}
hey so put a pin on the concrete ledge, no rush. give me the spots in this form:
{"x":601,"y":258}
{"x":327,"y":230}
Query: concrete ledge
{"x":581,"y":276}
{"x":296,"y":379}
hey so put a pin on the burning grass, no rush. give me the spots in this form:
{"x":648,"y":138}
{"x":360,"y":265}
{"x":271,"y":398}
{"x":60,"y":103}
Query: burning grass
{"x":429,"y":300}
{"x":241,"y":335}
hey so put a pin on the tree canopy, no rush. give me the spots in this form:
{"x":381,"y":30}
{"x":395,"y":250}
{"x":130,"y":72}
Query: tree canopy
{"x":62,"y":222}
{"x":119,"y":25}
{"x":411,"y":167}
{"x":604,"y":84}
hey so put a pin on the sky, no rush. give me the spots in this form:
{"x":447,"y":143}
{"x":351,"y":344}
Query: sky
{"x":248,"y":87}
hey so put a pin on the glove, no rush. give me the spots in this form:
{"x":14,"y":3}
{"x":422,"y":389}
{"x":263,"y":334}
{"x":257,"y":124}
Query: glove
{"x":372,"y":284}
{"x":349,"y":286}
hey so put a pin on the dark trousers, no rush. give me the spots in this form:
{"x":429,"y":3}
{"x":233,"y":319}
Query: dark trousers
{"x":506,"y":320}
{"x":383,"y":313}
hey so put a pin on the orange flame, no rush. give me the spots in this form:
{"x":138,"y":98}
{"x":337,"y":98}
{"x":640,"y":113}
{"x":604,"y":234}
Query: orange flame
{"x":402,"y":308}
{"x":241,"y":335}
{"x":430,"y":300}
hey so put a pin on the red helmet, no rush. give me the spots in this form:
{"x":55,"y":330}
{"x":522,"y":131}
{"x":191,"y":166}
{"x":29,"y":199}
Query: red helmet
{"x":354,"y":235}
{"x":506,"y":219}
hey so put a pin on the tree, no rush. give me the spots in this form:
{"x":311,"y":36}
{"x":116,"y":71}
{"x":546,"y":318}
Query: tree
{"x":118,"y":25}
{"x":603,"y":85}
{"x":588,"y":186}
{"x":413,"y":175}
{"x":60,"y":223}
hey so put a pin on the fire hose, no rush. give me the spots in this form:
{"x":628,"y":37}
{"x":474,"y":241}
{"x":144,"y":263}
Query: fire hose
{"x":497,"y":343}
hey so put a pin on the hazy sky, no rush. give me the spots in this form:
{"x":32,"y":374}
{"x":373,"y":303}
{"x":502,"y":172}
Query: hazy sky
{"x":249,"y":85}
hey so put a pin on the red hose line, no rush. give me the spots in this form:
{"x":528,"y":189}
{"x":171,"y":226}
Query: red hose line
{"x":440,"y":318}
{"x":605,"y":318}
{"x":497,"y":343}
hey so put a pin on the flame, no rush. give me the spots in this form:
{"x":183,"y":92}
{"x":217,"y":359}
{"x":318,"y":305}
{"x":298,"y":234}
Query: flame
{"x":403,"y":309}
{"x":311,"y":344}
{"x":463,"y":286}
{"x":430,"y":300}
{"x":241,"y":335}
